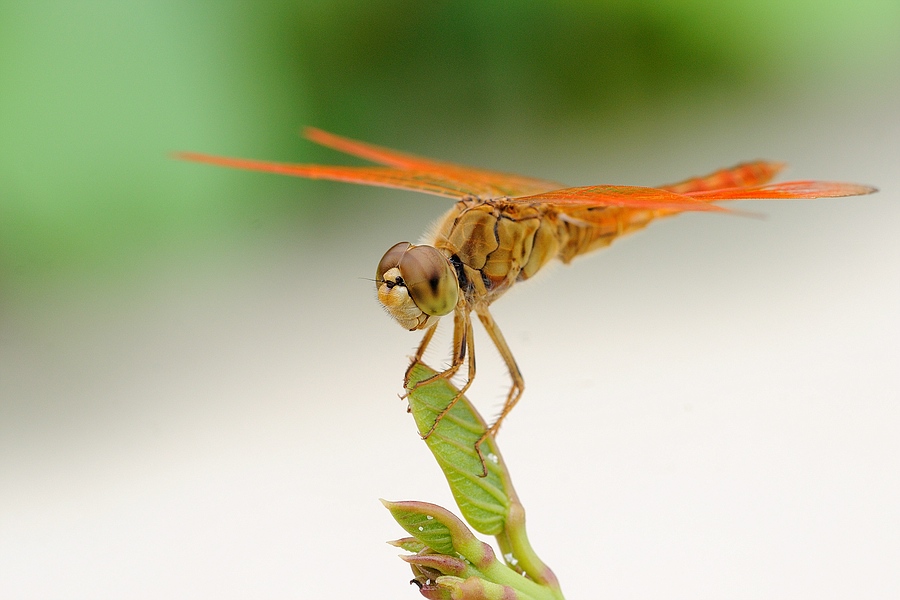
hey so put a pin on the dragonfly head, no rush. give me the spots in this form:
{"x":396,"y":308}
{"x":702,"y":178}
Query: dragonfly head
{"x":416,"y":284}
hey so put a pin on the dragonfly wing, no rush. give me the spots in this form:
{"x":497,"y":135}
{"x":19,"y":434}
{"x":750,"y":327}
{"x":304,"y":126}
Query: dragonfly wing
{"x":743,"y":175}
{"x":786,"y":191}
{"x":370,"y":152}
{"x":619,"y":196}
{"x":428,"y":182}
{"x":491,"y":184}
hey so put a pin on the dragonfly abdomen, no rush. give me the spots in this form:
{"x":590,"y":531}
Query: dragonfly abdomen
{"x":593,"y":229}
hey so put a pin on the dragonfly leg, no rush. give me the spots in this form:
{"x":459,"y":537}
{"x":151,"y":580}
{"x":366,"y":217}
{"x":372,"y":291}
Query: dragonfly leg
{"x":461,"y":325}
{"x":467,"y":345}
{"x":463,"y":342}
{"x":518,"y":383}
{"x":420,"y":351}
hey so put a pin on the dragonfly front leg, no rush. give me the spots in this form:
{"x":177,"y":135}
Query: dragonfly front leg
{"x":420,"y":351}
{"x":417,"y":358}
{"x":463,"y":343}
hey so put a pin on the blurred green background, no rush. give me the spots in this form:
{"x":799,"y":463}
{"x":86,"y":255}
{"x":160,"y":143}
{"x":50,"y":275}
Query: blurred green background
{"x":94,"y":94}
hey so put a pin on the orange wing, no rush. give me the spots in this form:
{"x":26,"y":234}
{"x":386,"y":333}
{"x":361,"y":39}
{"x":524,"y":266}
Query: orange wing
{"x":427,"y":182}
{"x":742,"y":175}
{"x":403,"y":171}
{"x":746,"y":181}
{"x":789,"y":190}
{"x":414,"y":173}
{"x":621,"y":196}
{"x":460,"y":184}
{"x":491,"y":183}
{"x":573,"y":201}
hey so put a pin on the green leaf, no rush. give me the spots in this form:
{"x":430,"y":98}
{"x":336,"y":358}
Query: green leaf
{"x":484,"y":501}
{"x":454,"y":563}
{"x":489,"y":504}
{"x":440,"y":530}
{"x":409,"y":544}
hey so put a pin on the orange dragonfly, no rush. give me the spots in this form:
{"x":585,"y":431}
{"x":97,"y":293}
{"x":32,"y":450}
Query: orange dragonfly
{"x":504,"y":228}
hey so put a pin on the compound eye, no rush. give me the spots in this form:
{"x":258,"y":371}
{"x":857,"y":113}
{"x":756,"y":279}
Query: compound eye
{"x":430,"y":279}
{"x":390,"y":260}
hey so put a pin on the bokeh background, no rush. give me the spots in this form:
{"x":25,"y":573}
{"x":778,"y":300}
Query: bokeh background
{"x":198,"y":390}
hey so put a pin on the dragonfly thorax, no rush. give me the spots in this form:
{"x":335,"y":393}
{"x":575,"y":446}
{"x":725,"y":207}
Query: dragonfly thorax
{"x":416,"y":284}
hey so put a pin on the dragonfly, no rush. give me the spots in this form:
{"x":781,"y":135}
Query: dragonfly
{"x":503,"y":228}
